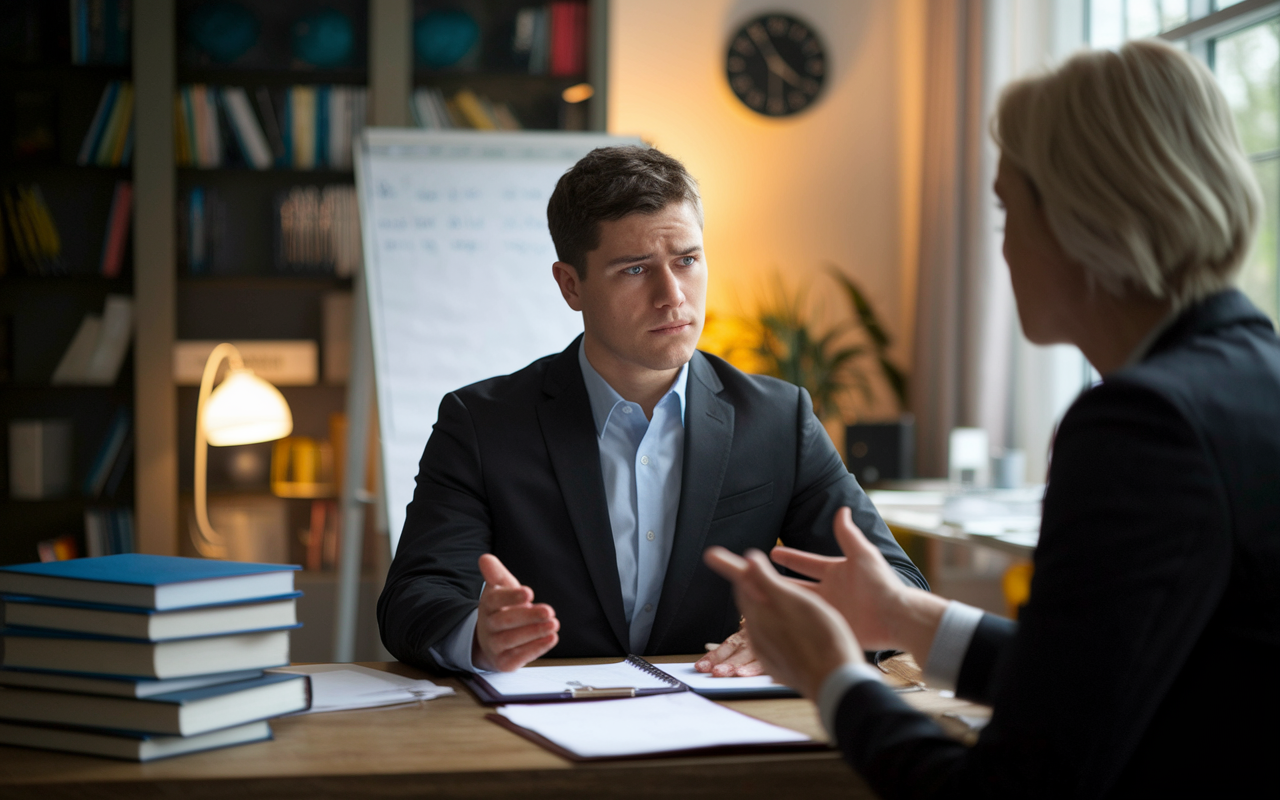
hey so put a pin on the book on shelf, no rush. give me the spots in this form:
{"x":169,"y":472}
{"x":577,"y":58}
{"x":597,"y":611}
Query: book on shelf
{"x":115,"y":685}
{"x":108,"y":452}
{"x":98,"y":349}
{"x":141,"y":623}
{"x":108,"y":531}
{"x":117,"y":232}
{"x":318,"y":231}
{"x":567,"y":24}
{"x":31,"y":240}
{"x":40,"y":456}
{"x":28,"y":648}
{"x":100,"y":31}
{"x":149,"y":581}
{"x":283,"y":362}
{"x":186,"y":713}
{"x":302,"y":127}
{"x":109,"y":140}
{"x":466,"y":109}
{"x":128,"y":745}
{"x":59,"y":548}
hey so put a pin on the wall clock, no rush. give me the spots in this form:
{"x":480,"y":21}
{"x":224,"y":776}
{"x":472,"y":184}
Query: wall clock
{"x":776,"y":65}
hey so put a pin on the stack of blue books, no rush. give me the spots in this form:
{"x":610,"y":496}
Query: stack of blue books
{"x":143,"y":657}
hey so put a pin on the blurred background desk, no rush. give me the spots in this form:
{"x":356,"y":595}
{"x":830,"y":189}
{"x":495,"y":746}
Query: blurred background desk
{"x":973,"y":546}
{"x":445,"y":748}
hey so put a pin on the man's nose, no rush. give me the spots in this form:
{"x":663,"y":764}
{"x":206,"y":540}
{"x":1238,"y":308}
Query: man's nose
{"x":669,"y":294}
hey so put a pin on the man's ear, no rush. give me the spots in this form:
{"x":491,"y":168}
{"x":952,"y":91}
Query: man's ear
{"x":570,"y":284}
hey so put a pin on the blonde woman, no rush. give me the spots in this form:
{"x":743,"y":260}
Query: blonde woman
{"x":1142,"y":663}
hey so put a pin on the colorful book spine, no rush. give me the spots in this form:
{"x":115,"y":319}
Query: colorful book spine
{"x":117,"y":237}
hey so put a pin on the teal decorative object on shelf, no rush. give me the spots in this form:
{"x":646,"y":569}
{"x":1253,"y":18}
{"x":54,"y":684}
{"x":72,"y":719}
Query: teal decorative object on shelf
{"x":225,"y":31}
{"x":443,"y":38}
{"x":324,"y":39}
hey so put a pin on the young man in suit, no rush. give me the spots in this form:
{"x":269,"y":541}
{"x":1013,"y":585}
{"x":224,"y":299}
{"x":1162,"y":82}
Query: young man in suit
{"x":594,"y":479}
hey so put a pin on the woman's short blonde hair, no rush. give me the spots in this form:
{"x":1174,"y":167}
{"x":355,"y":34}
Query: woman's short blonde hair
{"x":1135,"y":157}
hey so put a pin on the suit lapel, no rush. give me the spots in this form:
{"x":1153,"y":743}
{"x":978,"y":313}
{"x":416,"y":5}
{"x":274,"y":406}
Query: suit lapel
{"x":567,"y":430}
{"x":708,"y":438}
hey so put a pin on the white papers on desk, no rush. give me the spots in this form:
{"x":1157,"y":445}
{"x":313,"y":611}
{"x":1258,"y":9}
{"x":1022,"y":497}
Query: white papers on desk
{"x":556,"y":680}
{"x":659,"y":723}
{"x":341,"y":687}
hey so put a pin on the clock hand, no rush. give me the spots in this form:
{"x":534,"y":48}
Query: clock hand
{"x":776,"y":63}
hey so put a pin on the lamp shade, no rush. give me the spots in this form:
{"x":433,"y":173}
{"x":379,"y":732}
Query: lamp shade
{"x":245,"y":409}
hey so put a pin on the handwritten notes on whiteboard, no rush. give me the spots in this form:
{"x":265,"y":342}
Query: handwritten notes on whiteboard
{"x":458,"y":268}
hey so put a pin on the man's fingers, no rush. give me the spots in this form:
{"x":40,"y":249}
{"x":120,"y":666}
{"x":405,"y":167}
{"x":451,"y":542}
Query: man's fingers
{"x":496,"y":598}
{"x":808,"y":564}
{"x":740,"y":658}
{"x":503,"y":641}
{"x":721,"y":653}
{"x":517,"y":616}
{"x":495,"y":573}
{"x":517,"y":657}
{"x":724,"y":563}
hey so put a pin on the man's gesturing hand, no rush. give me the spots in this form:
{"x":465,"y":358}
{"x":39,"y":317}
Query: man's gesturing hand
{"x":798,"y":637}
{"x":884,"y":613}
{"x":511,"y":630}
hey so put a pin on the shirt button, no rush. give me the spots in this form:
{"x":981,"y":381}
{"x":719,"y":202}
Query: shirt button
{"x":644,"y":460}
{"x":648,"y":607}
{"x":649,"y":536}
{"x":626,"y":409}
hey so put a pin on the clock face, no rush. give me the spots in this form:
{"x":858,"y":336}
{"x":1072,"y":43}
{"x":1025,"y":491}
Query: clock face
{"x":776,"y":65}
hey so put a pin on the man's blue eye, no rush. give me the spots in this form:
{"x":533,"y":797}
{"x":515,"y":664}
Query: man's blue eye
{"x":633,"y":270}
{"x":688,"y":261}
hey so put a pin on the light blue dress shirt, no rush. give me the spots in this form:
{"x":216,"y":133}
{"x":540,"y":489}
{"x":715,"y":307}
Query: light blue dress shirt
{"x":642,"y":462}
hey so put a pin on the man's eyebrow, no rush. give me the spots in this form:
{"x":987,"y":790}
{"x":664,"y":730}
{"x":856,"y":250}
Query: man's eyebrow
{"x":680,"y":251}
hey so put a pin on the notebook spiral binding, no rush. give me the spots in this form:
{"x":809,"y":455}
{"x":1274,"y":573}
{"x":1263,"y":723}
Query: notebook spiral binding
{"x":644,"y":666}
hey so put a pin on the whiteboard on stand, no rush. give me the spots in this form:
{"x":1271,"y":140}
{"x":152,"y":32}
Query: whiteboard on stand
{"x":458,"y":272}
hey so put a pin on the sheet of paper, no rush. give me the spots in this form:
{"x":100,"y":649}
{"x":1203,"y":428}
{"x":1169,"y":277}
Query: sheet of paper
{"x":550,"y":680}
{"x":640,"y":725}
{"x":340,"y":687}
{"x":690,"y":676}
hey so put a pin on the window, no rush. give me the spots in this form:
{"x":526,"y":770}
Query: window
{"x":1240,"y":41}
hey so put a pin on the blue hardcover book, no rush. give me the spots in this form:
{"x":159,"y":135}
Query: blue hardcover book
{"x":148,"y":581}
{"x":188,"y":713}
{"x":93,"y":136}
{"x":127,"y":745}
{"x":58,"y":651}
{"x":146,"y":624}
{"x":115,"y":685}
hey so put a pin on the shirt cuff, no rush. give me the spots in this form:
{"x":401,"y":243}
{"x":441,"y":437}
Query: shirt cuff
{"x":841,"y":680}
{"x":454,"y":650}
{"x":950,"y":643}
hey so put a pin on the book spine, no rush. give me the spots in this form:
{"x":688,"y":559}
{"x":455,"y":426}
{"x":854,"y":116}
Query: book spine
{"x":253,"y":142}
{"x":322,"y":127}
{"x":107,"y":142}
{"x":303,"y":107}
{"x":117,"y":230}
{"x":473,"y":110}
{"x":270,"y":123}
{"x":89,"y":145}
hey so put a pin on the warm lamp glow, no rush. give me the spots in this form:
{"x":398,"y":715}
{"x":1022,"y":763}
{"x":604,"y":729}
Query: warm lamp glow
{"x":578,"y":93}
{"x":245,"y":409}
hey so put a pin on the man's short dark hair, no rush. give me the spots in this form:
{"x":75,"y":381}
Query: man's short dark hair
{"x":608,"y":184}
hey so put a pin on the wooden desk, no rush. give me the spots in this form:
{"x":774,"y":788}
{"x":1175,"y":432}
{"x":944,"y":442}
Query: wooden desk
{"x":444,"y":748}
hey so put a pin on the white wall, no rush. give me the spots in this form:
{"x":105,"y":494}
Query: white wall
{"x":837,"y":184}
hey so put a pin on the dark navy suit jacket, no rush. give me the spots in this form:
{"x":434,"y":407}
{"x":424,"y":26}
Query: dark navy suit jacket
{"x":1143,"y":664}
{"x":513,"y":468}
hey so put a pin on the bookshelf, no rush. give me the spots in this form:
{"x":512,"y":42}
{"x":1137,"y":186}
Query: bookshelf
{"x":47,"y":104}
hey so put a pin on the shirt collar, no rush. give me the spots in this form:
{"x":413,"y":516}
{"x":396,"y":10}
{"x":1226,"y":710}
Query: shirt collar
{"x":604,"y":398}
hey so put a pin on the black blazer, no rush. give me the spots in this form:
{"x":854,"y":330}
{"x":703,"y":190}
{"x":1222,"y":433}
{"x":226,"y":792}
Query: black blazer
{"x":513,"y":468}
{"x":1143,"y":663}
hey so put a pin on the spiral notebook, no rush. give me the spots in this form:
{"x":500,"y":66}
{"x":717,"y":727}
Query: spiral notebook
{"x":632,"y":677}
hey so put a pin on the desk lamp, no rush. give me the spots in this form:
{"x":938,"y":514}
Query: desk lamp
{"x":244,"y":409}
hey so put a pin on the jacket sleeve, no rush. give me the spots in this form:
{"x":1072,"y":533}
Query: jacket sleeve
{"x":823,"y":485}
{"x":1134,"y":556}
{"x":434,"y":581}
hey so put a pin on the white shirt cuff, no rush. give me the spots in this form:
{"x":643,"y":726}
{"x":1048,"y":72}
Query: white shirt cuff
{"x":950,"y":643}
{"x":454,"y":650}
{"x":841,"y":680}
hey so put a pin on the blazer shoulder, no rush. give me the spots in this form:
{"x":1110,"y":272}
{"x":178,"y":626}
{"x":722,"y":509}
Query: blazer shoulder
{"x":742,"y":385}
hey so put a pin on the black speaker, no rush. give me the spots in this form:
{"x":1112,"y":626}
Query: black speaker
{"x":881,"y":451}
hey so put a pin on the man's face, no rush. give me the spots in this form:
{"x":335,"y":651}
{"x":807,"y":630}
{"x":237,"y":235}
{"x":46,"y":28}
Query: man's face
{"x":644,"y":296}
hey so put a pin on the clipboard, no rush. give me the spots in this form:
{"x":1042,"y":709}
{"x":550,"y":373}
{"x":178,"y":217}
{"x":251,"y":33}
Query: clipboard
{"x":587,"y":689}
